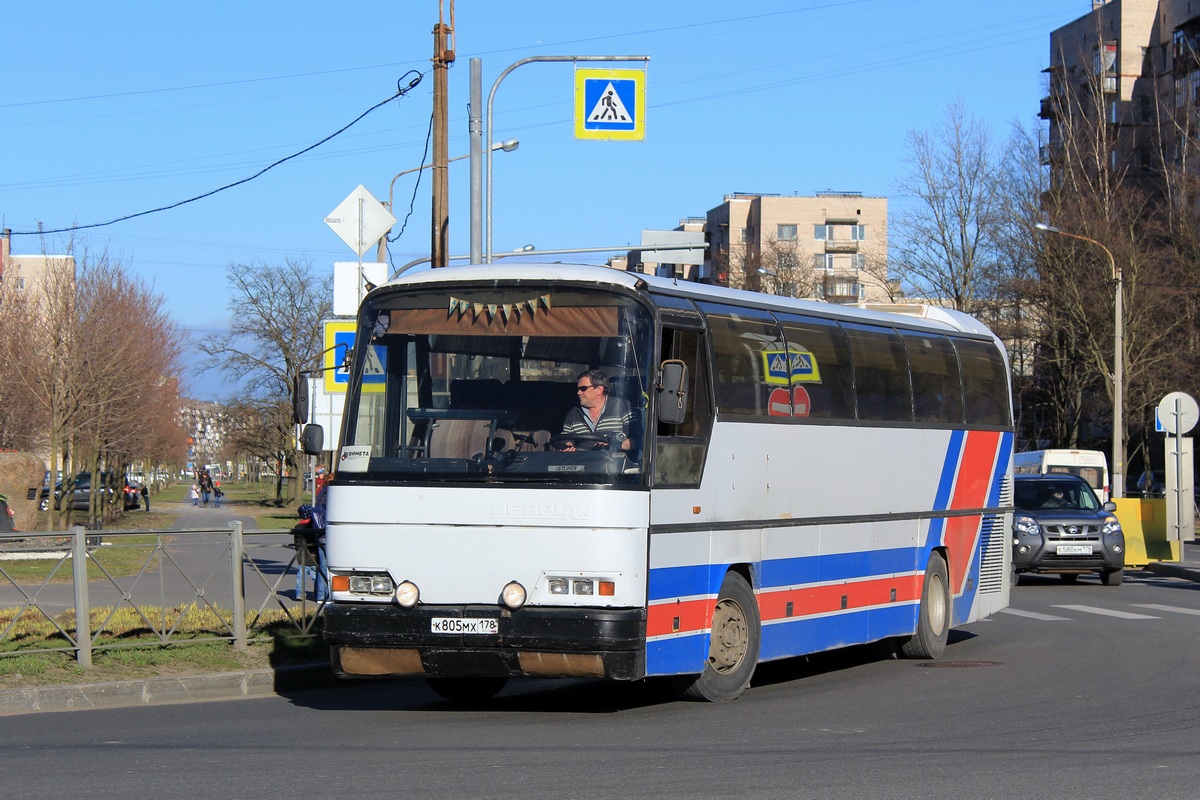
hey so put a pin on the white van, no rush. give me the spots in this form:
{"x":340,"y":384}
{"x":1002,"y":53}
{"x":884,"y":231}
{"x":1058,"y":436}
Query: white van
{"x":1087,"y":464}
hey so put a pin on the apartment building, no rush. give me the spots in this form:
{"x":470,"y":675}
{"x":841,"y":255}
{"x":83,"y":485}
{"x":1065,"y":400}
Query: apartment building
{"x":1137,"y":62}
{"x":26,"y":274}
{"x":831,"y":246}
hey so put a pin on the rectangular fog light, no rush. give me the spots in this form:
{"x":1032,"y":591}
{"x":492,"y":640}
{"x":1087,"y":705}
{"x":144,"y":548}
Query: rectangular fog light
{"x":558,"y":585}
{"x":581,"y":587}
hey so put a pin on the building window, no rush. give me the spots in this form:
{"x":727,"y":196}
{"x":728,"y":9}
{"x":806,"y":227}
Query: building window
{"x":858,"y":233}
{"x":858,"y":260}
{"x":822,"y":232}
{"x":745,"y":235}
{"x":785,"y":233}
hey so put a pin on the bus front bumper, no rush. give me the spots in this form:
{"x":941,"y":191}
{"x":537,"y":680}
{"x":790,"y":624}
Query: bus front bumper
{"x":385,"y":640}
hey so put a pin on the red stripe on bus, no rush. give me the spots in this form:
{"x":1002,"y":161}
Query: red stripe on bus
{"x":970,"y":491}
{"x":690,"y":616}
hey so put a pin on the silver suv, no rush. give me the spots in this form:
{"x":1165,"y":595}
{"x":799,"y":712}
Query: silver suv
{"x":1060,"y":526}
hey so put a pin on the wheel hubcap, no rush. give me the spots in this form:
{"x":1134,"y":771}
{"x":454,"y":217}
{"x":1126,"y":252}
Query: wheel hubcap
{"x":937,"y":605}
{"x":730,"y":637}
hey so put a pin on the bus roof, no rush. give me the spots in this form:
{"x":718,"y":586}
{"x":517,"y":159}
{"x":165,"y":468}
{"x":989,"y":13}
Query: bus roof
{"x":908,"y":315}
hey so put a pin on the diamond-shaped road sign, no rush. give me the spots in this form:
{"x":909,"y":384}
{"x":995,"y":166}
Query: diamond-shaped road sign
{"x":360,"y":220}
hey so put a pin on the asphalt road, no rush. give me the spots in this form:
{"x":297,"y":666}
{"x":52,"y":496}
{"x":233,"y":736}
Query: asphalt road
{"x":1075,"y":691}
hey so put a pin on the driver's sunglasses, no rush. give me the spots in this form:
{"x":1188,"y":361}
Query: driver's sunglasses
{"x":582,"y":388}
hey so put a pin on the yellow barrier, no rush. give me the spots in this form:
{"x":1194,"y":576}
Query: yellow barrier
{"x":1145,"y":524}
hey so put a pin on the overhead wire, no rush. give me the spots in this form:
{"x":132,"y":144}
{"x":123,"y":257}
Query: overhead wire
{"x":401,"y":91}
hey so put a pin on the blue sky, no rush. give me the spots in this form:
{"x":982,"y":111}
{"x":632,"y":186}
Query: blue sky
{"x":110,"y":110}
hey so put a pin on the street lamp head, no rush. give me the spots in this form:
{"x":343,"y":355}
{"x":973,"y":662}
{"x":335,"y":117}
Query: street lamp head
{"x":508,"y":145}
{"x":765,"y":271}
{"x":1041,"y":226}
{"x":526,"y":248}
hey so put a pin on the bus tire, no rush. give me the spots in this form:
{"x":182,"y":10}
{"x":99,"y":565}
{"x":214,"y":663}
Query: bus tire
{"x":466,"y":690}
{"x":933,"y":616}
{"x":733,"y":646}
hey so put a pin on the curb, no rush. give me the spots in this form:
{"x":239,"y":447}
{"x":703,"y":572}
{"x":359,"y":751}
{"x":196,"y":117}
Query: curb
{"x":160,"y":691}
{"x":1187,"y":571}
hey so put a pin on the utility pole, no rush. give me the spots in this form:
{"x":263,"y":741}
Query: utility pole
{"x":443,"y":57}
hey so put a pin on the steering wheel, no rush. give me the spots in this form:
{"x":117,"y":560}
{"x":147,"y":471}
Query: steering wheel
{"x":561,"y":440}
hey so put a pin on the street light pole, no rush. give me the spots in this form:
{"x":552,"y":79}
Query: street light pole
{"x":1118,"y":374}
{"x":487,"y":217}
{"x":508,"y":145}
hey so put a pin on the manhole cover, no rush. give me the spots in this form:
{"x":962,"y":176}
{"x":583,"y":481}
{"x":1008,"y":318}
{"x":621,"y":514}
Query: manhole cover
{"x":957,"y":664}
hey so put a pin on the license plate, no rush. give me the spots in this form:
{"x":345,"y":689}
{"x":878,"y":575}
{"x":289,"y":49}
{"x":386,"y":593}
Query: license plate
{"x":470,"y":625}
{"x":1074,"y":550}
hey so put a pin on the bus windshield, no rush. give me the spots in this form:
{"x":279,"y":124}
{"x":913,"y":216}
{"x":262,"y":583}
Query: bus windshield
{"x":493,"y":383}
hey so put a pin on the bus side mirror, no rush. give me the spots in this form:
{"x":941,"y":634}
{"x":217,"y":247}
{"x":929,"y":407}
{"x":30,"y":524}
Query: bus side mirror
{"x":672,"y":394}
{"x":312,"y":439}
{"x":300,"y":400}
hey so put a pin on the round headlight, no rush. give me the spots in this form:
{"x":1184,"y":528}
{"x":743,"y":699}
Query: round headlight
{"x":407,"y":594}
{"x":513,"y":595}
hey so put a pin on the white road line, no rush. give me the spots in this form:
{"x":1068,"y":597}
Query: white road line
{"x":1107,"y":612}
{"x":1016,"y":612}
{"x":1173,"y":609}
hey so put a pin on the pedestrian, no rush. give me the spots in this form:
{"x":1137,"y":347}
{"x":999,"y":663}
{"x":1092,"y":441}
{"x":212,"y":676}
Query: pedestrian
{"x":195,"y":493}
{"x":205,"y":487}
{"x":217,"y":493}
{"x":145,"y":492}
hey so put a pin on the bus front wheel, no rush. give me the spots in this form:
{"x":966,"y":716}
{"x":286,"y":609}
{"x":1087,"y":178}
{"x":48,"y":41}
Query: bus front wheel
{"x":933,"y":617}
{"x":733,"y":647}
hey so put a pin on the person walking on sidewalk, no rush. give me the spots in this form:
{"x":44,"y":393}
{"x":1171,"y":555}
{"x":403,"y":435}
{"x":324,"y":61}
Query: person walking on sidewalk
{"x":217,"y":493}
{"x":145,"y":493}
{"x":195,"y":495}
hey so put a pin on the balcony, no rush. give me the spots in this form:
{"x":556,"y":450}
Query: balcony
{"x":841,"y":246}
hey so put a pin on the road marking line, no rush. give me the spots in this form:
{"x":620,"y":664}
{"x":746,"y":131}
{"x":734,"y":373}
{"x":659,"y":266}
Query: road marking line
{"x":1174,"y":609}
{"x":1107,"y":612}
{"x":1016,"y":612}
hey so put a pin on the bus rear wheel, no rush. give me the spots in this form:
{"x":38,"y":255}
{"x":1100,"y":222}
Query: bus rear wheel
{"x":733,"y":647}
{"x":466,"y":690}
{"x":933,"y":617}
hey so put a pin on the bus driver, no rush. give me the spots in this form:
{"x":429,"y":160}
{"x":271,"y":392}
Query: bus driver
{"x":600,"y":418}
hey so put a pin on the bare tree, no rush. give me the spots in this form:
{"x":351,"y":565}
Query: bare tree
{"x":946,"y":244}
{"x":275,"y":334}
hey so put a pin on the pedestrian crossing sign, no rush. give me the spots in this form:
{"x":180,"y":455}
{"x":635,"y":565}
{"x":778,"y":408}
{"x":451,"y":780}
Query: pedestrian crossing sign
{"x":610,"y":104}
{"x":339,"y":339}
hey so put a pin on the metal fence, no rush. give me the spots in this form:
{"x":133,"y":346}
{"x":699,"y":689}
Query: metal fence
{"x":183,"y":587}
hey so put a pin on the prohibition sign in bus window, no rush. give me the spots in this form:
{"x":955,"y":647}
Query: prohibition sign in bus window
{"x":610,"y":104}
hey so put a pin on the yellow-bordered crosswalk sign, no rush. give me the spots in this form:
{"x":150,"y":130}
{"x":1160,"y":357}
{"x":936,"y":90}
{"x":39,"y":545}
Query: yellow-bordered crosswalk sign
{"x":610,"y":104}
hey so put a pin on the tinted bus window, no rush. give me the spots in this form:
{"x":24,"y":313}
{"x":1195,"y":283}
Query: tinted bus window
{"x":820,"y":357}
{"x":985,"y":383}
{"x":937,"y":388}
{"x":881,"y":379}
{"x":740,"y":339}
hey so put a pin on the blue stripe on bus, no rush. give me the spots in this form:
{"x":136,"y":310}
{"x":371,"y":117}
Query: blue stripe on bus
{"x":687,"y":654}
{"x":668,"y":583}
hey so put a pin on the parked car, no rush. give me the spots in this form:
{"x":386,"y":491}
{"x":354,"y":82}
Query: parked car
{"x":1152,"y":483}
{"x":1060,"y":526}
{"x":80,"y":494}
{"x":132,"y":495}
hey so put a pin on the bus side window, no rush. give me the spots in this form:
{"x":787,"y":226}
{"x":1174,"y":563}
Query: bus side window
{"x":680,"y":449}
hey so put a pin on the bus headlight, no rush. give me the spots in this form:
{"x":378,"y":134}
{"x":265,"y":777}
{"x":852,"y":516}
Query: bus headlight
{"x":513,"y":595}
{"x":407,"y":594}
{"x":370,"y":584}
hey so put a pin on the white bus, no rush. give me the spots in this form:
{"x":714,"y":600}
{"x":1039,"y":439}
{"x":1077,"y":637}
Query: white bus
{"x":1087,"y":464}
{"x":795,"y":477}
